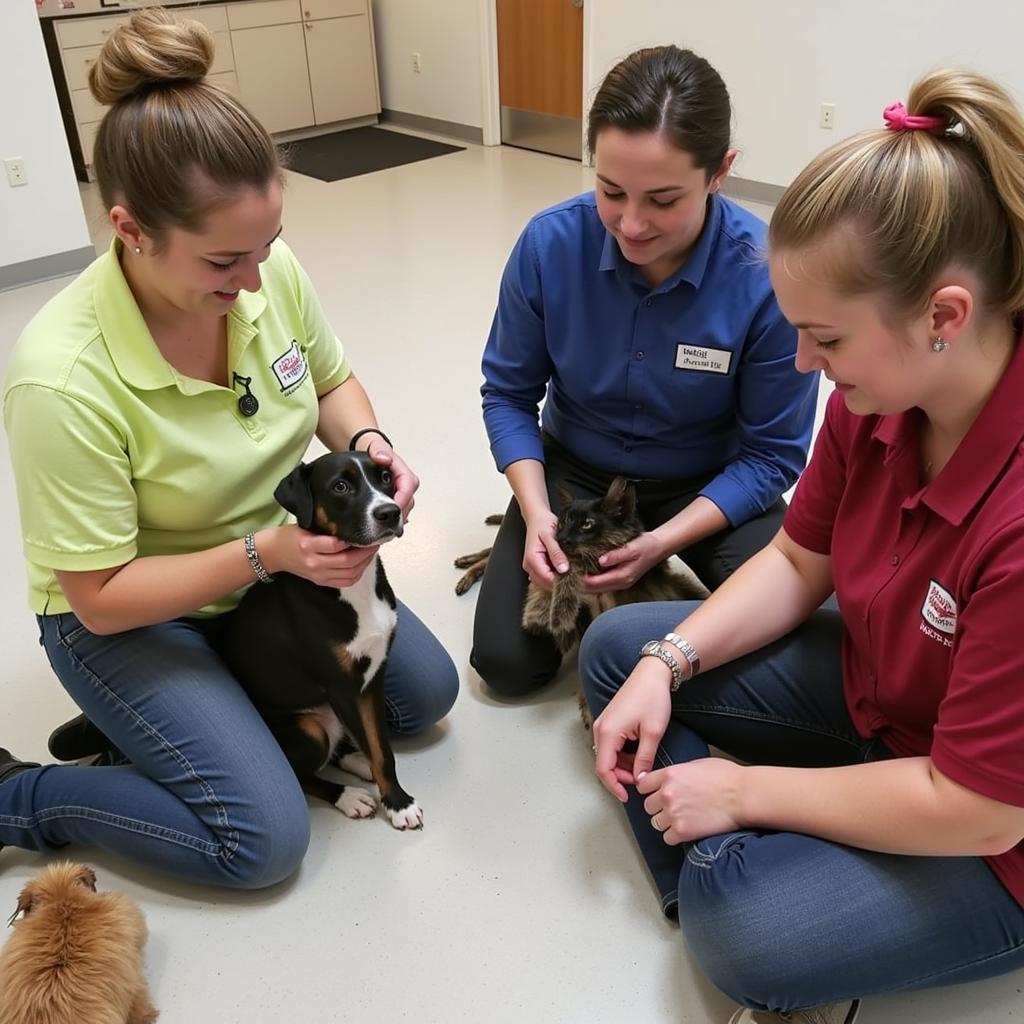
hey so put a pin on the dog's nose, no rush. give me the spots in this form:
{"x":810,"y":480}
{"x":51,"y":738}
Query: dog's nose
{"x":387,"y":515}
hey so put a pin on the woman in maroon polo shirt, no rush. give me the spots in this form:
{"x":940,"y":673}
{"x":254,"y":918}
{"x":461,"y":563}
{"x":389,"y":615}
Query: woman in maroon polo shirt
{"x":873,"y":841}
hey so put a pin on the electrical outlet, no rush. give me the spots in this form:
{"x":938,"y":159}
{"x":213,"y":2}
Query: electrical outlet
{"x":416,"y":63}
{"x":828,"y":115}
{"x":16,"y":171}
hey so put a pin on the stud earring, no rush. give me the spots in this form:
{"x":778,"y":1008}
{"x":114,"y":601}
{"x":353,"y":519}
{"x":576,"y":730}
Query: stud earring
{"x":938,"y":345}
{"x":138,"y":250}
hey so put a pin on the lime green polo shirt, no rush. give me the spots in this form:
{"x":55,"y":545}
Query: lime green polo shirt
{"x":118,"y":456}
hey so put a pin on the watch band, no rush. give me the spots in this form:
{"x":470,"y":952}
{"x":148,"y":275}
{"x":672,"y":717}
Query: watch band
{"x":689,"y":652}
{"x":653,"y":649}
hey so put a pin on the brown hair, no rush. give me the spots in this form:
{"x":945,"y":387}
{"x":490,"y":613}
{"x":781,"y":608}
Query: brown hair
{"x":668,"y":90}
{"x":173,"y":146}
{"x":914,"y":203}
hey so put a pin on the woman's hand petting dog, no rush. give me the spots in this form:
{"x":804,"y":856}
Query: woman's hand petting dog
{"x":406,"y":481}
{"x":321,"y":559}
{"x":542,"y":555}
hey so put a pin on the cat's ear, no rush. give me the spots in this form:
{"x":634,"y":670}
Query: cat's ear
{"x":620,"y":501}
{"x":565,"y":496}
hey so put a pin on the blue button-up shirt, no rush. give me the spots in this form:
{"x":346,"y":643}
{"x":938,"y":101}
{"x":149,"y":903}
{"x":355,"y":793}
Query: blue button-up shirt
{"x":690,"y":378}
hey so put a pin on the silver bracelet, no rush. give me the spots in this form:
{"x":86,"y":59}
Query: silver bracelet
{"x":689,"y":652}
{"x":653,"y":649}
{"x":254,"y":559}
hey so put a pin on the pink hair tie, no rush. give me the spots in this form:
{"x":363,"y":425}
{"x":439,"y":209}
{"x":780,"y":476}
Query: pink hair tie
{"x":898,"y":120}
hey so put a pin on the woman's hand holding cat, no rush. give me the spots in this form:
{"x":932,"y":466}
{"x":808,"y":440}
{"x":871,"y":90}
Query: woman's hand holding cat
{"x":542,"y":555}
{"x":639,"y":711}
{"x":693,"y":800}
{"x":625,"y":565}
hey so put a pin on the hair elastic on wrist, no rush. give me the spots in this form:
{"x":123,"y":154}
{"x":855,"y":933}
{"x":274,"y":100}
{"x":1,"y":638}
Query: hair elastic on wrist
{"x":367,"y":430}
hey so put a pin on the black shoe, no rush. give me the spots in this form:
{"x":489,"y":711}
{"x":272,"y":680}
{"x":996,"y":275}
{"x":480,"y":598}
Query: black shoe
{"x":77,"y":739}
{"x":10,"y":765}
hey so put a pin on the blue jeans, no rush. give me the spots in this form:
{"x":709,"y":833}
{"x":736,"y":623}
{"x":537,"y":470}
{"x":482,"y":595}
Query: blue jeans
{"x":779,"y":920}
{"x":206,"y":794}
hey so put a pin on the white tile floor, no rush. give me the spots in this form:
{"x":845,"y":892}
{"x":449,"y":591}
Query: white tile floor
{"x":522,"y":899}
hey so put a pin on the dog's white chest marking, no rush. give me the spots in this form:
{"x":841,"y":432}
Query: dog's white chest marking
{"x":375,"y":621}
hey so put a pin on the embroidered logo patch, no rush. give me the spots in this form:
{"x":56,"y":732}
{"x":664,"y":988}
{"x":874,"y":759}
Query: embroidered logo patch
{"x":706,"y":360}
{"x":290,"y":369}
{"x":939,"y":609}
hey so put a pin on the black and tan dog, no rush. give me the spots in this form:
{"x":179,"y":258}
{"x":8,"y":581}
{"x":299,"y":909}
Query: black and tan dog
{"x":312,"y":658}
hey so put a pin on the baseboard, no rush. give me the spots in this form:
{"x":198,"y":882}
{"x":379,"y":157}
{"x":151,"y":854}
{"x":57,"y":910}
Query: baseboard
{"x":60,"y":264}
{"x":400,"y":119}
{"x":752,"y":191}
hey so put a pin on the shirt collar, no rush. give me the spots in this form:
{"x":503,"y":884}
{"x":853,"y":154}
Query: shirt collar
{"x":980,"y":457}
{"x":132,"y":349}
{"x":692,"y":271}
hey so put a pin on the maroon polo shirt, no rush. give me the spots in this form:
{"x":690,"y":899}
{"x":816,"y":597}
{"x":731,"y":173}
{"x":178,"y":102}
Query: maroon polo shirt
{"x":930,"y":582}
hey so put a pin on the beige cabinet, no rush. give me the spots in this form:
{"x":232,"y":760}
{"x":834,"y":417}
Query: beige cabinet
{"x":273,"y":79}
{"x":342,"y":69}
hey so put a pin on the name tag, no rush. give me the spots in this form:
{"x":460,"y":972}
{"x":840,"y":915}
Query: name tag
{"x":939,"y":609}
{"x":290,"y":368}
{"x":706,"y":360}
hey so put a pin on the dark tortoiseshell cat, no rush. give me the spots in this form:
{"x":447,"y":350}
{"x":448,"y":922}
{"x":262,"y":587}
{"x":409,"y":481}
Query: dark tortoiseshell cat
{"x":587,"y":528}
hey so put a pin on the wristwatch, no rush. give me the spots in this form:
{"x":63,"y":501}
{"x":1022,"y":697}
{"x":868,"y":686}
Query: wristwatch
{"x":654,"y":649}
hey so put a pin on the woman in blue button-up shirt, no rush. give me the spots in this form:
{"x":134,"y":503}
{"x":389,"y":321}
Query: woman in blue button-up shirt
{"x":643,"y":313}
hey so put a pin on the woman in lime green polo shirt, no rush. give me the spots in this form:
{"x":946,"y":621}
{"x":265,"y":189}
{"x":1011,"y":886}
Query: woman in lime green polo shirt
{"x":141,"y":464}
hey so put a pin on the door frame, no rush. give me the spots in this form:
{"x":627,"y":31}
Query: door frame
{"x":489,"y":72}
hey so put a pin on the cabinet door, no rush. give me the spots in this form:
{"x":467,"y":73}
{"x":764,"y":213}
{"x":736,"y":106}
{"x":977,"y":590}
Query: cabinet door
{"x":341,"y":68}
{"x":273,"y":80}
{"x":313,"y":10}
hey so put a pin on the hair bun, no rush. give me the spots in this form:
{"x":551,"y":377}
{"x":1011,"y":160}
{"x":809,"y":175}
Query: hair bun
{"x":152,"y":48}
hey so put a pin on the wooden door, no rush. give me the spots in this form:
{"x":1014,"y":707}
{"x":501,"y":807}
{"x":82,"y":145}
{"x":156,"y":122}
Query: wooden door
{"x":540,"y":74}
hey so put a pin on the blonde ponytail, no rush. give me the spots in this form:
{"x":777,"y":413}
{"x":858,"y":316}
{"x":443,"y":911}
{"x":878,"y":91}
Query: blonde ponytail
{"x":916,"y":202}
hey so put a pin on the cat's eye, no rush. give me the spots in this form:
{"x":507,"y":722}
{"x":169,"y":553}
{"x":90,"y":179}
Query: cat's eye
{"x":587,"y":524}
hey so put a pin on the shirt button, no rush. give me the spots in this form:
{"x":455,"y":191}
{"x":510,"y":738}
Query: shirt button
{"x":639,"y":355}
{"x":638,"y":406}
{"x":895,"y":560}
{"x":648,"y":302}
{"x":629,"y":447}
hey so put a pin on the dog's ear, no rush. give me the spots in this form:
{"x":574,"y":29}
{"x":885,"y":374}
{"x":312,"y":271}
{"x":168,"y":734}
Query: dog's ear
{"x":85,"y":876}
{"x":620,"y":501}
{"x":295,"y":493}
{"x":565,"y":496}
{"x":25,"y":901}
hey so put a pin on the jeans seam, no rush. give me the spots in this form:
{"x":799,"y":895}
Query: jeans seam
{"x":705,"y":861}
{"x":114,"y":821}
{"x":731,"y":712}
{"x":929,"y":980}
{"x":231,"y":841}
{"x":393,"y":712}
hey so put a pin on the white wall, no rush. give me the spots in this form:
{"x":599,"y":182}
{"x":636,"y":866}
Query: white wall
{"x":781,"y":59}
{"x":446,"y":34}
{"x":45,"y":216}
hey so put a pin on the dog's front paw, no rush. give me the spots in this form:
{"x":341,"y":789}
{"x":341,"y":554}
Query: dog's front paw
{"x":356,"y":803}
{"x":408,"y":817}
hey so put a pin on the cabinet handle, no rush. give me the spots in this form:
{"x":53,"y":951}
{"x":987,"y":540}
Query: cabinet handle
{"x":308,"y":14}
{"x":309,"y":26}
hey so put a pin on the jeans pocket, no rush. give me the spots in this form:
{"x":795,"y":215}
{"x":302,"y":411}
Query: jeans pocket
{"x":69,"y":629}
